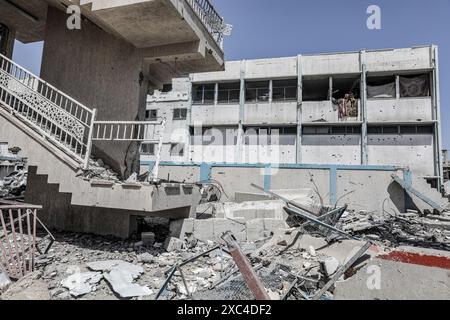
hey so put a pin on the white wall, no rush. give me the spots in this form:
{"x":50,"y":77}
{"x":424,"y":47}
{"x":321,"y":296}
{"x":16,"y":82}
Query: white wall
{"x":331,"y":149}
{"x":415,"y":151}
{"x":403,"y":109}
{"x":270,"y":113}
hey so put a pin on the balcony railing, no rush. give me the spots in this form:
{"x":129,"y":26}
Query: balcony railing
{"x":212,"y":21}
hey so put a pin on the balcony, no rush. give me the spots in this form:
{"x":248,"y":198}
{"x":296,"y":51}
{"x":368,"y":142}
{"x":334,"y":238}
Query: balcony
{"x":175,"y":36}
{"x":325,"y":111}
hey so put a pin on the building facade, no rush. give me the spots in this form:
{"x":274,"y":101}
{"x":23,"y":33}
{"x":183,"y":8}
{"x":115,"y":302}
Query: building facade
{"x":379,"y":107}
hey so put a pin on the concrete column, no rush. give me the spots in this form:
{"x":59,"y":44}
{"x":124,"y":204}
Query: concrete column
{"x":216,"y":94}
{"x":189,"y":123}
{"x":437,"y":116}
{"x":299,"y":107}
{"x":363,"y":94}
{"x":397,"y":87}
{"x":101,"y":71}
{"x":239,"y":156}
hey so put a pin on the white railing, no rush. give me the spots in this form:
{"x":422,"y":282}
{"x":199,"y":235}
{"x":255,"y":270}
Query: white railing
{"x":50,"y":112}
{"x":140,"y":131}
{"x":212,"y":21}
{"x":66,"y":123}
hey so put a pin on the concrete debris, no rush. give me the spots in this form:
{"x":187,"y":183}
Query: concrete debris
{"x":146,"y":258}
{"x":30,"y":287}
{"x":133,"y":270}
{"x":121,"y":281}
{"x":14,"y":184}
{"x":82,"y":283}
{"x":148,"y":238}
{"x":173,"y":244}
{"x":98,"y":171}
{"x":329,"y":266}
{"x":4,"y":280}
{"x":432,"y":231}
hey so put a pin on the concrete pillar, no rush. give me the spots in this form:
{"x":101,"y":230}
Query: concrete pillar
{"x":8,"y":36}
{"x":239,"y":156}
{"x":101,"y":71}
{"x":299,"y":107}
{"x":437,"y":116}
{"x":363,"y":94}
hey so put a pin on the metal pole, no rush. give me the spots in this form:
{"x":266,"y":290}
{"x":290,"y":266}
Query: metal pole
{"x":245,"y":267}
{"x":89,"y":142}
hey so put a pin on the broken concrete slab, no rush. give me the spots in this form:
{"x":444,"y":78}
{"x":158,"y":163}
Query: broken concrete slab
{"x":392,"y":280}
{"x":121,"y":281}
{"x":329,"y":265}
{"x":110,"y":265}
{"x":83,"y":283}
{"x":173,"y":244}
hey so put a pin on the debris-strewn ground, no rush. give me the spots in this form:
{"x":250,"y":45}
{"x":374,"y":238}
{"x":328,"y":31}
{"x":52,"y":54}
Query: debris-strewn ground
{"x":294,"y":263}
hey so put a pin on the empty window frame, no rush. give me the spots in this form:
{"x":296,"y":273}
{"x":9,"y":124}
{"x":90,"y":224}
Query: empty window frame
{"x":417,"y":85}
{"x":346,"y":85}
{"x":285,"y":90}
{"x":316,"y":89}
{"x":229,"y":92}
{"x":203,"y":93}
{"x":218,"y":136}
{"x":148,"y":149}
{"x":381,"y":87}
{"x":151,"y":115}
{"x":180,"y":114}
{"x":331,"y":130}
{"x":400,"y":129}
{"x":257,"y":91}
{"x":167,"y":87}
{"x":177,"y":149}
{"x":270,"y":135}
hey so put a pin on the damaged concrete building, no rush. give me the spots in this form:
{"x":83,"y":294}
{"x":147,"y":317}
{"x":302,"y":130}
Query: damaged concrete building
{"x":80,"y":123}
{"x":230,"y":116}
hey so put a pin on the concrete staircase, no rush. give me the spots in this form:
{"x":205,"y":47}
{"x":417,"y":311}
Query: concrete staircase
{"x":53,"y":132}
{"x":421,"y":185}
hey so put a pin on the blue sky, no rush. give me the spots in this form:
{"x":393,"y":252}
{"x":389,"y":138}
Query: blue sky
{"x":268,"y":28}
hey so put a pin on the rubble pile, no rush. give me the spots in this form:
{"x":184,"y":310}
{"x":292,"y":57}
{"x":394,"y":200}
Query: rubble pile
{"x":14,"y":184}
{"x":432,"y":231}
{"x":98,"y":170}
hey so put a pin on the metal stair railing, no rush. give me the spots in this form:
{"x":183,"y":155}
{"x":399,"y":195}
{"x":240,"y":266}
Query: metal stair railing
{"x":62,"y":120}
{"x":66,"y":123}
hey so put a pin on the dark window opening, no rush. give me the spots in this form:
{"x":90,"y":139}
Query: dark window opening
{"x":257,"y":91}
{"x":402,"y":129}
{"x":151,"y":115}
{"x":331,"y":130}
{"x":177,"y":149}
{"x":4,"y":34}
{"x":343,"y":86}
{"x":381,"y":87}
{"x":285,"y":90}
{"x":415,"y":86}
{"x":203,"y":93}
{"x":167,"y":87}
{"x":270,"y":135}
{"x":316,"y":89}
{"x":229,"y":92}
{"x":148,"y":149}
{"x":180,"y":114}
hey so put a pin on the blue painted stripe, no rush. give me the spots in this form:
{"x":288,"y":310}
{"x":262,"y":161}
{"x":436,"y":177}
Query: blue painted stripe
{"x":282,"y":166}
{"x":205,"y":172}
